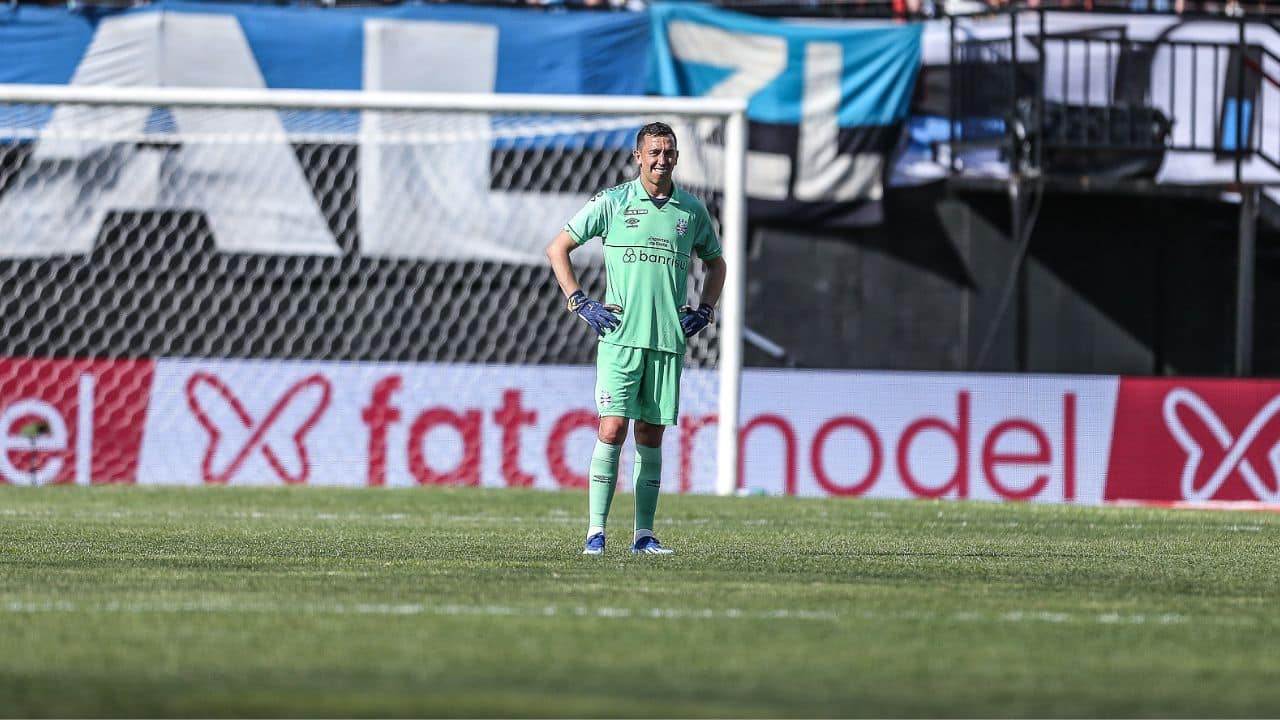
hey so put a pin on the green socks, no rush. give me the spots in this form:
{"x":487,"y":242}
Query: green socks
{"x":603,"y":479}
{"x":648,"y":480}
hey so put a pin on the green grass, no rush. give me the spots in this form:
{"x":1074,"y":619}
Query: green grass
{"x":464,"y":602}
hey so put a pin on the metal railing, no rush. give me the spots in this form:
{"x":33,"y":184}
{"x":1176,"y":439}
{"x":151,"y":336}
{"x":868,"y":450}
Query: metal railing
{"x":1098,"y":101}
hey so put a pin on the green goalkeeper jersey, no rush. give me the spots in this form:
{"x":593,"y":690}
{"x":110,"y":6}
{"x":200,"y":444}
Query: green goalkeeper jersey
{"x":647,"y":249}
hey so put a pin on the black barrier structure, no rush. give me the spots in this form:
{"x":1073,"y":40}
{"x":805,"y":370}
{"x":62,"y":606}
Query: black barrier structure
{"x":1097,"y":110}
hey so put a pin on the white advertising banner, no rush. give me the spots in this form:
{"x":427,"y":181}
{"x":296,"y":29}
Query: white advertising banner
{"x":900,"y":435}
{"x":889,"y":435}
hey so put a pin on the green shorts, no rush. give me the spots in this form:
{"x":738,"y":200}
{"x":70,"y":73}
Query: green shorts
{"x":638,"y":383}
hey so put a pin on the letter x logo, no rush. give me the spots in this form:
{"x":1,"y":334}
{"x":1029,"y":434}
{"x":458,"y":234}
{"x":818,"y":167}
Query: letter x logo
{"x":1233,"y":449}
{"x":223,"y":416}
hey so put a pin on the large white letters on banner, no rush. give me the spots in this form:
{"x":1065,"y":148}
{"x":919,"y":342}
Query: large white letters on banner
{"x":442,"y":155}
{"x":756,"y":60}
{"x":80,"y":170}
{"x":821,"y":173}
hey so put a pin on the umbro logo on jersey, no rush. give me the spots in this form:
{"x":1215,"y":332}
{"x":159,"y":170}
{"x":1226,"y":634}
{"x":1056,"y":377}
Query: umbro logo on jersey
{"x":636,"y":211}
{"x":632,"y":222}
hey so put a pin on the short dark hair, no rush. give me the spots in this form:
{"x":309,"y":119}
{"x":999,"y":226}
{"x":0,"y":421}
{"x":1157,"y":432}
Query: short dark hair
{"x":657,"y":129}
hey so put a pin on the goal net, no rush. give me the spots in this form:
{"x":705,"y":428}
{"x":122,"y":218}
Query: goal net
{"x":213,"y":285}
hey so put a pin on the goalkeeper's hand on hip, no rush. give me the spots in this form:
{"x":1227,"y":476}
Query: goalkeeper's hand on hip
{"x":601,"y":318}
{"x":692,"y":320}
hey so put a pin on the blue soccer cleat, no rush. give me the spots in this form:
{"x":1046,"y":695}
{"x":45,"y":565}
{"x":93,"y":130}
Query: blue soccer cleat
{"x":595,"y":545}
{"x":649,"y":545}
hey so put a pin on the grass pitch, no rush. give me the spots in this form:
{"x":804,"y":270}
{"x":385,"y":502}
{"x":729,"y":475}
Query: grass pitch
{"x":465,"y":602}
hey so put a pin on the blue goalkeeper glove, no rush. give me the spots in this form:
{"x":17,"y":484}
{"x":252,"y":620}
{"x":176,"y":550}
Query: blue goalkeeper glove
{"x":601,"y":318}
{"x":693,"y":321}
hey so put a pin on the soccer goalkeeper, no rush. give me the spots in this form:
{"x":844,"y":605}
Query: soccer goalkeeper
{"x":651,"y":229}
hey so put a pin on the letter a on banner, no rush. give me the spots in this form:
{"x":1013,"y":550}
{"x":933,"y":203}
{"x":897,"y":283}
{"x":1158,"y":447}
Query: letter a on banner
{"x":88,"y":161}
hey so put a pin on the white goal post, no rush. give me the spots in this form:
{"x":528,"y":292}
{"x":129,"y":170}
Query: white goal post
{"x":530,"y":143}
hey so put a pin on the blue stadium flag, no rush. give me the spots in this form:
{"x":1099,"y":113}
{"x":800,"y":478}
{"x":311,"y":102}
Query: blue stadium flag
{"x":500,"y":50}
{"x":826,"y":104}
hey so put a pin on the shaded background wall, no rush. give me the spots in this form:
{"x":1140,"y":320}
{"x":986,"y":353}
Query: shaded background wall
{"x":1133,"y":284}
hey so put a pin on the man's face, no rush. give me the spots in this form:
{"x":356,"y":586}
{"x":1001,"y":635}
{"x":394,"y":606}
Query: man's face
{"x":657,"y":157}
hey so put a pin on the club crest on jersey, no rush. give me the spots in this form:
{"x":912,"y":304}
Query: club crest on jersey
{"x":682,"y":226}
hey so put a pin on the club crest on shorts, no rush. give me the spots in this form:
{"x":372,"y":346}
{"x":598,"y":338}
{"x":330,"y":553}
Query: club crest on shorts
{"x":604,"y":399}
{"x":682,"y":226}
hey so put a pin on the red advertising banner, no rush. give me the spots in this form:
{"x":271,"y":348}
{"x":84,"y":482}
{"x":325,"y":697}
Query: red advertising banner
{"x":72,"y":421}
{"x":1183,"y":440}
{"x":1063,"y":439}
